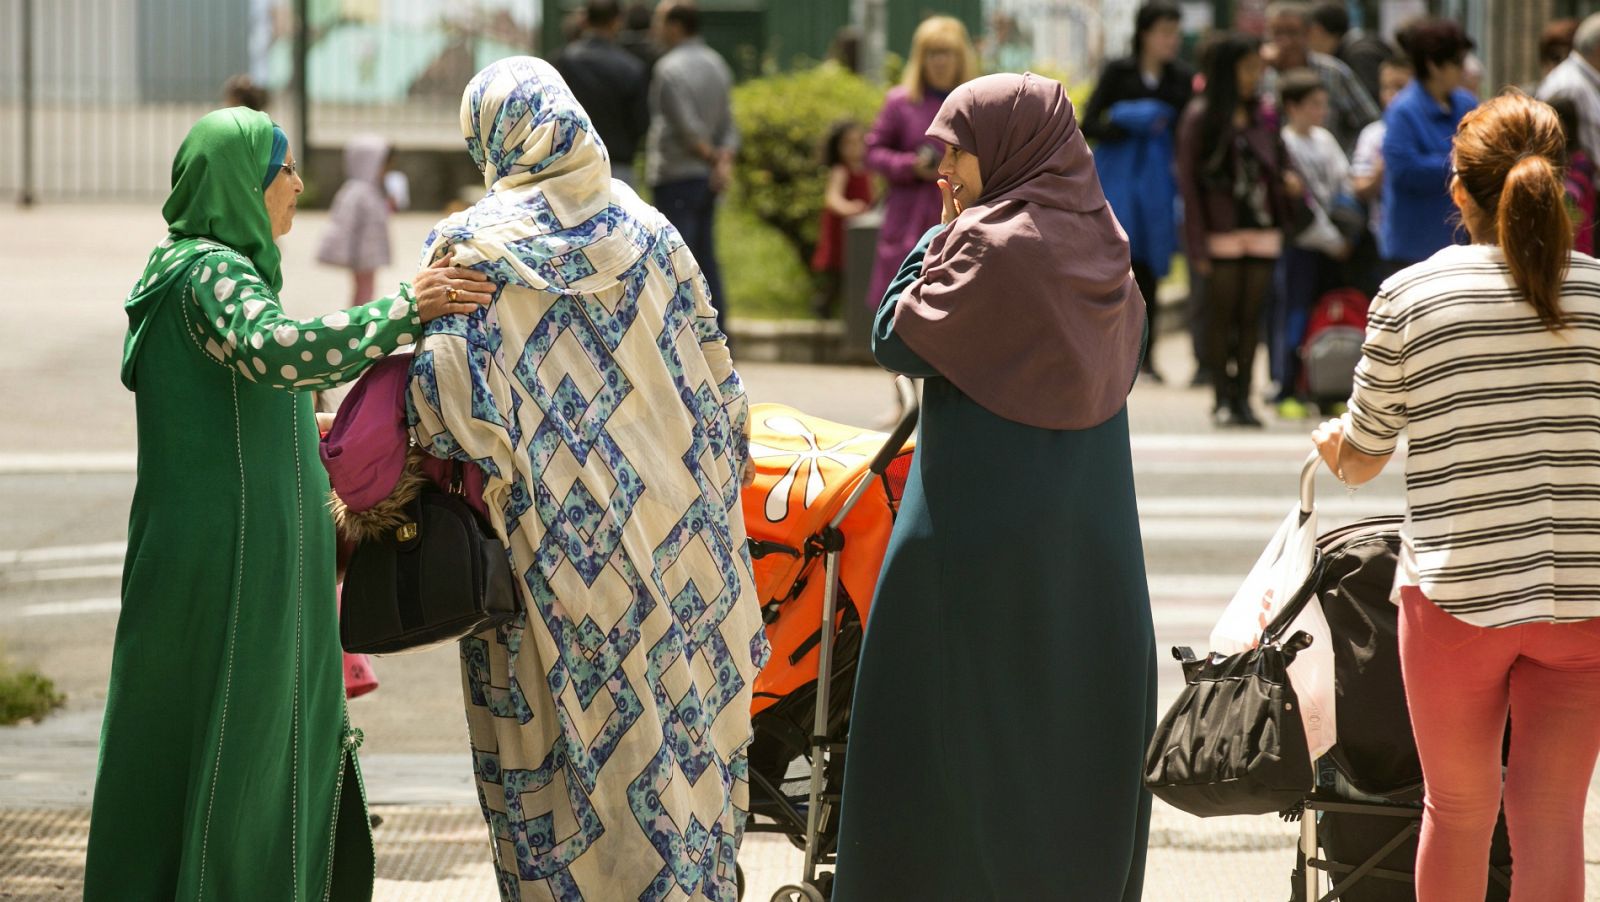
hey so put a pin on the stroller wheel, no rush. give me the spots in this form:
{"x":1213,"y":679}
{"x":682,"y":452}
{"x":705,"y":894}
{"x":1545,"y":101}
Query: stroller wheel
{"x":798,"y":892}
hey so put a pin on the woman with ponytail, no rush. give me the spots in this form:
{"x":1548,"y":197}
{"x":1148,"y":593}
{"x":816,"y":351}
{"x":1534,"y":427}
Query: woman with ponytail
{"x":1488,"y":357}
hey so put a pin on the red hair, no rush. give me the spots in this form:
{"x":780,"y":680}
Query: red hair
{"x":1511,"y":157}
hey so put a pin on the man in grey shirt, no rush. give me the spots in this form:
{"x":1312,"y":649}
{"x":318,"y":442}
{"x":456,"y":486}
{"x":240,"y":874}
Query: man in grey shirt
{"x":692,"y":139}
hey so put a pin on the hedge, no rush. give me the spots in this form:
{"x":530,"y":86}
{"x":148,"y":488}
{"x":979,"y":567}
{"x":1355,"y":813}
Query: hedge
{"x":782,"y":121}
{"x":776,"y":200}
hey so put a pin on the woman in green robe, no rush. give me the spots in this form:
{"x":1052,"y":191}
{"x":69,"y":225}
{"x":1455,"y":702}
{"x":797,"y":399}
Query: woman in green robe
{"x":1006,"y":686}
{"x":227,"y":766}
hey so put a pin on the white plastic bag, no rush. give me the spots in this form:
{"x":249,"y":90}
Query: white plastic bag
{"x":1281,"y":570}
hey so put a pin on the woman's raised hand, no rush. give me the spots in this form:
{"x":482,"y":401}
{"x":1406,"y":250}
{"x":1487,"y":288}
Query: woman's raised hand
{"x":443,"y":289}
{"x":952,"y":207}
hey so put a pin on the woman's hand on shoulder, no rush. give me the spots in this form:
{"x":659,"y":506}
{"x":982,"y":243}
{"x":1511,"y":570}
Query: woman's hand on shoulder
{"x":443,"y":289}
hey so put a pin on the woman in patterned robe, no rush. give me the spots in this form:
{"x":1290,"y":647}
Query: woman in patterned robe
{"x":609,"y":721}
{"x":227,"y":765}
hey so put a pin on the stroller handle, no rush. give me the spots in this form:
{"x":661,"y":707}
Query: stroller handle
{"x":1308,"y":483}
{"x":902,"y":429}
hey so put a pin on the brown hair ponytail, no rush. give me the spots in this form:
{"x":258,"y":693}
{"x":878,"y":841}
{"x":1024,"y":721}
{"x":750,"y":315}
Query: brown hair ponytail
{"x":1510,"y":155}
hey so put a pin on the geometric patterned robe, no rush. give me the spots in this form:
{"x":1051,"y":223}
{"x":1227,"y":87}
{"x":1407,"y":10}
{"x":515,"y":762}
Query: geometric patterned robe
{"x":609,"y":722}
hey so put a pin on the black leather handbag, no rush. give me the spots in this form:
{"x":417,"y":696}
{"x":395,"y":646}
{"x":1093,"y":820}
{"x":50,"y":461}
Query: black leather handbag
{"x":1233,"y":742}
{"x":440,"y":576}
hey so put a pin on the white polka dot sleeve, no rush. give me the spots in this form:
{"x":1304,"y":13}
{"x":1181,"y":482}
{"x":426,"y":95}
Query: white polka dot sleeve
{"x":236,"y":319}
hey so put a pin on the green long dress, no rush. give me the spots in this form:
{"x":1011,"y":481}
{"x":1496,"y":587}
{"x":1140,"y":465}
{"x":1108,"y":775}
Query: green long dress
{"x":1006,"y":689}
{"x":227,"y":767}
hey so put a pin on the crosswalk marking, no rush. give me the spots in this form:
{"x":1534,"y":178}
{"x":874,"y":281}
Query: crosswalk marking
{"x":1274,"y":507}
{"x":1199,"y":540}
{"x":26,"y":464}
{"x":63,"y":574}
{"x":73,"y":553}
{"x":72,"y":608}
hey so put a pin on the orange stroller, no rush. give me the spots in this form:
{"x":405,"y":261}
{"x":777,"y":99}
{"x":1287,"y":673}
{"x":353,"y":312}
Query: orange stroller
{"x":819,"y":516}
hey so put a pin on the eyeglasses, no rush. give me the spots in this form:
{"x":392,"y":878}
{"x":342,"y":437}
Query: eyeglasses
{"x":292,"y":168}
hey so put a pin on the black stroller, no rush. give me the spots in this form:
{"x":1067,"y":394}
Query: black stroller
{"x":1360,"y":824}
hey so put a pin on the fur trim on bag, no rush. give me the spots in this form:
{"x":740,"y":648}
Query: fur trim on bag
{"x":384,"y":517}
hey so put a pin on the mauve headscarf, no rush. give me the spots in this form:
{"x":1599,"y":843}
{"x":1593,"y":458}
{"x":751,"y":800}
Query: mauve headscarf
{"x":1026,"y":301}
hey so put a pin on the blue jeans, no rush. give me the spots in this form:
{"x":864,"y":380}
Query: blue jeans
{"x":1303,"y":275}
{"x":691,"y":206}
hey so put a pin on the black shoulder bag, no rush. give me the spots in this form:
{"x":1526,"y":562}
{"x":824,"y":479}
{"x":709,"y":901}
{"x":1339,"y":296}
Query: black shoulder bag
{"x":1233,"y":742}
{"x":439,"y":576}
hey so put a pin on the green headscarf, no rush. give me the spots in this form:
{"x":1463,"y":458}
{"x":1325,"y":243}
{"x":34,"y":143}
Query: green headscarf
{"x":216,"y":200}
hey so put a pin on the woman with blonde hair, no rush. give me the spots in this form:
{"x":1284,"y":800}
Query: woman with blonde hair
{"x":1488,"y":357}
{"x":942,"y":57}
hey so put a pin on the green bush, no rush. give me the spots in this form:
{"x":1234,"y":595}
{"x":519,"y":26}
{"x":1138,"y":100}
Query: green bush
{"x":761,"y":276}
{"x":782,"y":121}
{"x":26,"y":694}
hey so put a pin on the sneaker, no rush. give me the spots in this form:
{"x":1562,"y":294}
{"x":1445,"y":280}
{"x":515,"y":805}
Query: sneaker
{"x":1244,"y":416}
{"x":1338,"y":409}
{"x":1222,"y":417}
{"x":1293,"y":409}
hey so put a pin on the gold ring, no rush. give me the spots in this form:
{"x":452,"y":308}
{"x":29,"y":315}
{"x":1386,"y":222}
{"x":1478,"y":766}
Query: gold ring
{"x":455,"y":296}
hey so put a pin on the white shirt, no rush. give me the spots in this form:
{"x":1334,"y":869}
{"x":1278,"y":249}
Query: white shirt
{"x":1364,"y":163}
{"x":1321,"y":161}
{"x":1578,"y":80}
{"x":1502,"y":418}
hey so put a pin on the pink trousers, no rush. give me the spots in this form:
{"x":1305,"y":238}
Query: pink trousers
{"x":1461,"y":680}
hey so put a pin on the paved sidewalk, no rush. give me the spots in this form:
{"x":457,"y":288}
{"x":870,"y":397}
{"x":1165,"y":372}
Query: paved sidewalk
{"x":439,"y":853}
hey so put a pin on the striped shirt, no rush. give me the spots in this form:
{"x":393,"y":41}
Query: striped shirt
{"x":1502,"y":419}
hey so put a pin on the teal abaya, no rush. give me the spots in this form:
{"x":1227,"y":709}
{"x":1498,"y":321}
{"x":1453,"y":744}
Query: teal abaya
{"x":1007,"y":683}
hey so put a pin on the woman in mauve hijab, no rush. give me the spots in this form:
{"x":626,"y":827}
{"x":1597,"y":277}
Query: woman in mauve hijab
{"x":1007,"y":684}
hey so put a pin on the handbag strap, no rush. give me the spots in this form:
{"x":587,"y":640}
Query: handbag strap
{"x":1297,"y":603}
{"x":408,"y":571}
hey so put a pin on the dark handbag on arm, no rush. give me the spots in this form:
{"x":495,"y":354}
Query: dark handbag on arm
{"x":438,"y":576}
{"x":1233,"y":742}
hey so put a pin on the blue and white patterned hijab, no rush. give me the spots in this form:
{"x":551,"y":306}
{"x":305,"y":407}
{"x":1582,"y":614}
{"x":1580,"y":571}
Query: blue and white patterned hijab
{"x":554,"y":220}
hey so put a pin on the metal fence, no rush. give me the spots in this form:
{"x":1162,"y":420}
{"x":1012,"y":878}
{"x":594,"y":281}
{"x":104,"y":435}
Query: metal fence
{"x":96,"y":94}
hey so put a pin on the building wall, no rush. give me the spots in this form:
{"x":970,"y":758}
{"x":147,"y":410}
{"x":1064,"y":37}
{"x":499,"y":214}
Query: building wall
{"x":905,"y":15}
{"x":82,"y":49}
{"x":188,"y":48}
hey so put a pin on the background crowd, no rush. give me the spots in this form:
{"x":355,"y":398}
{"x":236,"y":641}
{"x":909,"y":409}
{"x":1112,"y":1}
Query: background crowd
{"x":1284,"y":176}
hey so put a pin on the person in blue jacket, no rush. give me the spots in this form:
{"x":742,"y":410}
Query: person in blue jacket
{"x":1421,"y":126}
{"x":1131,"y":117}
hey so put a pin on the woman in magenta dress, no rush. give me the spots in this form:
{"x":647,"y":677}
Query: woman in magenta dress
{"x":898,"y":147}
